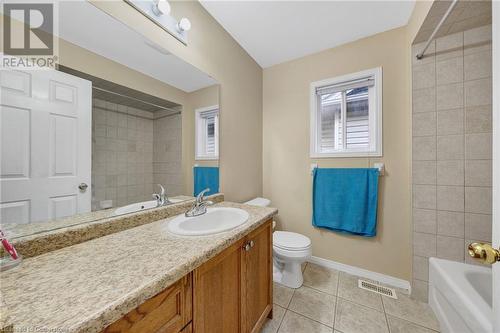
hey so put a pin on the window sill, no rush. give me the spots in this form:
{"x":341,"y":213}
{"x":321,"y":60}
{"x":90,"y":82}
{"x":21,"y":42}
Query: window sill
{"x":206,"y":158}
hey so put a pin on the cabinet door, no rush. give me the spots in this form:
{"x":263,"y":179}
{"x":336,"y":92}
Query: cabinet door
{"x":258,"y":277}
{"x":217,"y":293}
{"x":188,"y":329}
{"x":167,"y":312}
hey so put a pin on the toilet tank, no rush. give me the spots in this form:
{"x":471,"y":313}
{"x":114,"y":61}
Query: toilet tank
{"x":262,"y":202}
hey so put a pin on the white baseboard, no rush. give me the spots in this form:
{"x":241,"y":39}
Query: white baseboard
{"x":379,"y":277}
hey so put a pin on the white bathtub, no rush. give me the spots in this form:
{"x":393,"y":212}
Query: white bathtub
{"x":461,"y":296}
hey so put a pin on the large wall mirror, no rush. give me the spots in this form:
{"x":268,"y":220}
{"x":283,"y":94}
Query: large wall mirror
{"x":121,"y":125}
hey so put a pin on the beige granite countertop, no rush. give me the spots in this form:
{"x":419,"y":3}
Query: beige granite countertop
{"x":86,"y":287}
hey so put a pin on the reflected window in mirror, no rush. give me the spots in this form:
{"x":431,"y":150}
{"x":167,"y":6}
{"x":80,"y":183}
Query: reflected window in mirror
{"x":207,"y":133}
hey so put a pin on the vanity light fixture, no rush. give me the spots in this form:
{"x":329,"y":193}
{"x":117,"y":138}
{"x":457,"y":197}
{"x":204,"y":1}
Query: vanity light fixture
{"x":158,"y":11}
{"x":161,"y":7}
{"x":184,"y":24}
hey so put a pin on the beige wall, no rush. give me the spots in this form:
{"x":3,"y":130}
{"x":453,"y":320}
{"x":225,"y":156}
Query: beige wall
{"x":287,"y":179}
{"x":197,"y":99}
{"x":214,"y":51}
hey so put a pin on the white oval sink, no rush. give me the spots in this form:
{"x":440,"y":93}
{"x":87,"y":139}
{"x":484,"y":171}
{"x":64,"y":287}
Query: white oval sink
{"x":138,"y":206}
{"x":215,"y":220}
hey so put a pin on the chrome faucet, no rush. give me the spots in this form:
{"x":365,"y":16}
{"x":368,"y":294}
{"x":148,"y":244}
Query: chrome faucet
{"x":200,"y":205}
{"x":161,"y":198}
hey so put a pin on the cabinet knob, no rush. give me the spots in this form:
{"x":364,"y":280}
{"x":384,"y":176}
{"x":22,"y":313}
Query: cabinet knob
{"x":247,"y":247}
{"x":252,"y":243}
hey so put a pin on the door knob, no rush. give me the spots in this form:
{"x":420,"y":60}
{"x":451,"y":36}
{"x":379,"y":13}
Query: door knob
{"x":83,"y":187}
{"x":484,"y":252}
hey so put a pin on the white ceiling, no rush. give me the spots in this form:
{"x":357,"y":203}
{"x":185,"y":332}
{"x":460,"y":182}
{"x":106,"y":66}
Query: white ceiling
{"x":277,"y":31}
{"x":114,"y":40}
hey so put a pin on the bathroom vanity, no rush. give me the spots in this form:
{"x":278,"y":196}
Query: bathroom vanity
{"x":231,"y":292}
{"x":144,"y":279}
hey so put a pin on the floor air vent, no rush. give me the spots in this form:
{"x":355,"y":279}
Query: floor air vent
{"x":370,"y":286}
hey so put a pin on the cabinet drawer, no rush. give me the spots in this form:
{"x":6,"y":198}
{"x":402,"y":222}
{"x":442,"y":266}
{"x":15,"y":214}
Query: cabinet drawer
{"x":167,"y":312}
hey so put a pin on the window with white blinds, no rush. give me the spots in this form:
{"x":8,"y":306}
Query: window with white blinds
{"x":346,"y":115}
{"x":207,"y":133}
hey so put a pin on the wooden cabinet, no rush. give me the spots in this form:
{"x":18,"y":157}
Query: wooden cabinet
{"x":258,"y":278}
{"x":233,"y":291}
{"x":188,"y":328}
{"x":218,"y":291}
{"x":167,"y":312}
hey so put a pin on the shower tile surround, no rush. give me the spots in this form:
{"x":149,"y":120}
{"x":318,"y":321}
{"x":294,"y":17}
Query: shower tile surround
{"x":451,"y":150}
{"x":126,"y":144}
{"x":167,"y":152}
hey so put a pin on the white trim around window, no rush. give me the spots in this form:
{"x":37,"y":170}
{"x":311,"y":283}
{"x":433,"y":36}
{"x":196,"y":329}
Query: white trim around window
{"x":204,"y":150}
{"x":371,"y":78}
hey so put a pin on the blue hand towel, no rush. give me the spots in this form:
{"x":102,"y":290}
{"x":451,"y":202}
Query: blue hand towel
{"x":206,"y":177}
{"x":345,"y":200}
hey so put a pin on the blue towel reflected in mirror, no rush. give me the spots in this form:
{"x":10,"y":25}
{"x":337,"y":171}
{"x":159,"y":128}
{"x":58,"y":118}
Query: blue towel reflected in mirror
{"x":206,"y":177}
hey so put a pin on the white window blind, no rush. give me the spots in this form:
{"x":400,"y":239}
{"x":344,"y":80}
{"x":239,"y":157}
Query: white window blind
{"x":342,"y":86}
{"x":345,"y":116}
{"x":207,"y":129}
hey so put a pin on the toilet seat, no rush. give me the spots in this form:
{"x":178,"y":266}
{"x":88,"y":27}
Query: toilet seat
{"x":300,"y":255}
{"x":290,"y":241}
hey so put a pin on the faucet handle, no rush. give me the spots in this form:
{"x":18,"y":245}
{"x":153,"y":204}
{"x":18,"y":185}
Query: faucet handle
{"x":201,"y":195}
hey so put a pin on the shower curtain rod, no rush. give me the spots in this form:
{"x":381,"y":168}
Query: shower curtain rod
{"x":445,"y":16}
{"x":138,"y":100}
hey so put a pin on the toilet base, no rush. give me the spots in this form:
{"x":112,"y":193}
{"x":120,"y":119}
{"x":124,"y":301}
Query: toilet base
{"x":289,"y":274}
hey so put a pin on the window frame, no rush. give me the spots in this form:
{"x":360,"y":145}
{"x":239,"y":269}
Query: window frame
{"x":200,"y":141}
{"x":374,"y":117}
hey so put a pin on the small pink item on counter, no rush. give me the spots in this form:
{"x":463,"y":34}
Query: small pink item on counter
{"x":8,"y":246}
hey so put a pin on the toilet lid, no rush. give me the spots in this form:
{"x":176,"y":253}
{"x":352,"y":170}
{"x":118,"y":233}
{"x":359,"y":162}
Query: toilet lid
{"x":291,"y":241}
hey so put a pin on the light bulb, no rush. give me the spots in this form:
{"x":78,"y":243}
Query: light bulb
{"x":184,"y":24}
{"x":161,"y":7}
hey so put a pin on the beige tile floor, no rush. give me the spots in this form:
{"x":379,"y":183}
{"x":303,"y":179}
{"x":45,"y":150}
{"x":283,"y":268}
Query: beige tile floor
{"x":330,"y":301}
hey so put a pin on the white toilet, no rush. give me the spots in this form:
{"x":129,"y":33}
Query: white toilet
{"x":290,"y":250}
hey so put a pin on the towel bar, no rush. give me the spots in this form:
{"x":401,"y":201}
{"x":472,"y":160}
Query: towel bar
{"x":379,"y":166}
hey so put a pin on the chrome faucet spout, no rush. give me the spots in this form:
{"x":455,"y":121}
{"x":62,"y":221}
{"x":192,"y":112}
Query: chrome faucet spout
{"x":161,"y":198}
{"x":200,"y":205}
